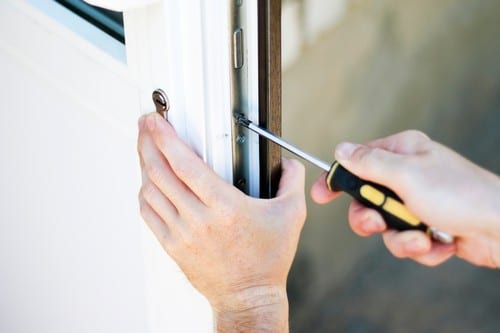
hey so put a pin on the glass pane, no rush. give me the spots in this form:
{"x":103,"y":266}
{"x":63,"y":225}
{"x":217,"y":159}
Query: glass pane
{"x":108,"y":21}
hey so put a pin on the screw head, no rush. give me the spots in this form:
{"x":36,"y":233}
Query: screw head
{"x":241,"y":139}
{"x":241,"y":184}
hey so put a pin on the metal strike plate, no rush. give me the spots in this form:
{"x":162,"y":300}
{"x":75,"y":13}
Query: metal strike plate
{"x":239,"y":94}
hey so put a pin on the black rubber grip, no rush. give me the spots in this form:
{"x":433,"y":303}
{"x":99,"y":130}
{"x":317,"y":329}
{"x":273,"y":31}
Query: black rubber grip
{"x":374,"y":196}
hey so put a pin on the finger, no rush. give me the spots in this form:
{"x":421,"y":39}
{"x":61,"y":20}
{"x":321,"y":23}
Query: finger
{"x":418,"y":246}
{"x":202,"y":180}
{"x":364,"y":221}
{"x":438,"y":254}
{"x":407,"y":244}
{"x":159,"y":203}
{"x":140,"y":124}
{"x":292,"y":179}
{"x":320,"y":193}
{"x":290,"y":200}
{"x":373,"y":164}
{"x":407,"y":143}
{"x":155,"y":223}
{"x":160,"y":173}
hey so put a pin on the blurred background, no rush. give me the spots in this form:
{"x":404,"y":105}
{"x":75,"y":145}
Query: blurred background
{"x":361,"y":69}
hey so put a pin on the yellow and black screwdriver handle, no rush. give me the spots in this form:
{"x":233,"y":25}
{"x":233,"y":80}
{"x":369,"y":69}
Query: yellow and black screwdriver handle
{"x":375,"y":196}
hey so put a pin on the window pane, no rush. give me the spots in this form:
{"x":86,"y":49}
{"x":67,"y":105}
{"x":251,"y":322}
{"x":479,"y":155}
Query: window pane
{"x":108,"y":21}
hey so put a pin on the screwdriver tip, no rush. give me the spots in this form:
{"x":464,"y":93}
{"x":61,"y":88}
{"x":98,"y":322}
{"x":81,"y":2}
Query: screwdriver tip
{"x":242,"y":120}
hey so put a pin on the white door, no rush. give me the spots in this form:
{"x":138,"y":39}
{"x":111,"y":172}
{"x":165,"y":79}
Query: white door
{"x":75,"y":255}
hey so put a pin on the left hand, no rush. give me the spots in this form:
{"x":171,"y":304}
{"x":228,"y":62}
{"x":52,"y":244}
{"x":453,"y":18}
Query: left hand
{"x":236,"y":250}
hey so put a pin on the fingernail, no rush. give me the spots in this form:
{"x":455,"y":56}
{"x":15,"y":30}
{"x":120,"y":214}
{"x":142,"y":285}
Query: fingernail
{"x":344,"y":151}
{"x":151,"y":122}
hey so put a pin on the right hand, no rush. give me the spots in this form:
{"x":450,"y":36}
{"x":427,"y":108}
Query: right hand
{"x":439,"y":186}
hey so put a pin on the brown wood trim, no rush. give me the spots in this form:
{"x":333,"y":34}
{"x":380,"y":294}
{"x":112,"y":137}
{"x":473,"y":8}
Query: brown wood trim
{"x":269,"y":12}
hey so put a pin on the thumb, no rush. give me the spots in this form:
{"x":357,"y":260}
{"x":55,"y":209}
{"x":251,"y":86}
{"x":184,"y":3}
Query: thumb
{"x":292,"y":180}
{"x":291,"y":195}
{"x":372,"y":164}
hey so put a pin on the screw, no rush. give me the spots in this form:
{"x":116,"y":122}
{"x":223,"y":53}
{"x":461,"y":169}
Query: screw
{"x":241,"y":183}
{"x":241,"y":138}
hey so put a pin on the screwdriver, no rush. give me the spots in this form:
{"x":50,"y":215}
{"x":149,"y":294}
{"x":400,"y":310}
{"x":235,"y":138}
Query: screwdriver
{"x":369,"y":194}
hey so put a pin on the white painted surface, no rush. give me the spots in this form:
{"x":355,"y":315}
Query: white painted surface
{"x":69,"y":248}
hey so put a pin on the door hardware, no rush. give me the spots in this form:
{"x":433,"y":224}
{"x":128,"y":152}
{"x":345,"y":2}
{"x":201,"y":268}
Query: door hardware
{"x":162,"y":104}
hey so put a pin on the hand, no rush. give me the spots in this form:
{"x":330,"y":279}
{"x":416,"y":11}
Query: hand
{"x":236,"y":250}
{"x":439,"y":186}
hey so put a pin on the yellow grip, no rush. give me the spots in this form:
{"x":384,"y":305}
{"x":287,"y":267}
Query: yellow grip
{"x":373,"y":195}
{"x":397,"y":209}
{"x":388,"y":204}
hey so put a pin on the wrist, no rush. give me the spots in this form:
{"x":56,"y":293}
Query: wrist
{"x":257,"y":309}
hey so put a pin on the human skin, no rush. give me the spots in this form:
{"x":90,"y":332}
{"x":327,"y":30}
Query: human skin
{"x":236,"y":250}
{"x":438,"y":185}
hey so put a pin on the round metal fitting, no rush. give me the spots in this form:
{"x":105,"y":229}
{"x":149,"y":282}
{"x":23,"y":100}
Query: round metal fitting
{"x":162,"y":104}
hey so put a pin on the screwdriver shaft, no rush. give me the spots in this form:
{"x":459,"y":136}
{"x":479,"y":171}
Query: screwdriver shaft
{"x":276,"y":139}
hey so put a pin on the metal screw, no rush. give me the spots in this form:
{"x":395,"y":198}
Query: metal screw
{"x":161,"y":102}
{"x":241,"y":184}
{"x":241,"y":139}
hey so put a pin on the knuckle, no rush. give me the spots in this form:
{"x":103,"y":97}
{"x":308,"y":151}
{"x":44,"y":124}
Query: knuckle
{"x":155,"y":173}
{"x":187,"y":239}
{"x":148,"y":192}
{"x":140,"y":196}
{"x":144,"y":209}
{"x":200,"y":229}
{"x":185,"y":169}
{"x":227,"y":208}
{"x":416,"y":135}
{"x":367,"y":158}
{"x":139,"y":144}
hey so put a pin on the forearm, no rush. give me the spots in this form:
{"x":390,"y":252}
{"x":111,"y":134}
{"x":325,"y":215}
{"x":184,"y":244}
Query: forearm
{"x":255,"y":311}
